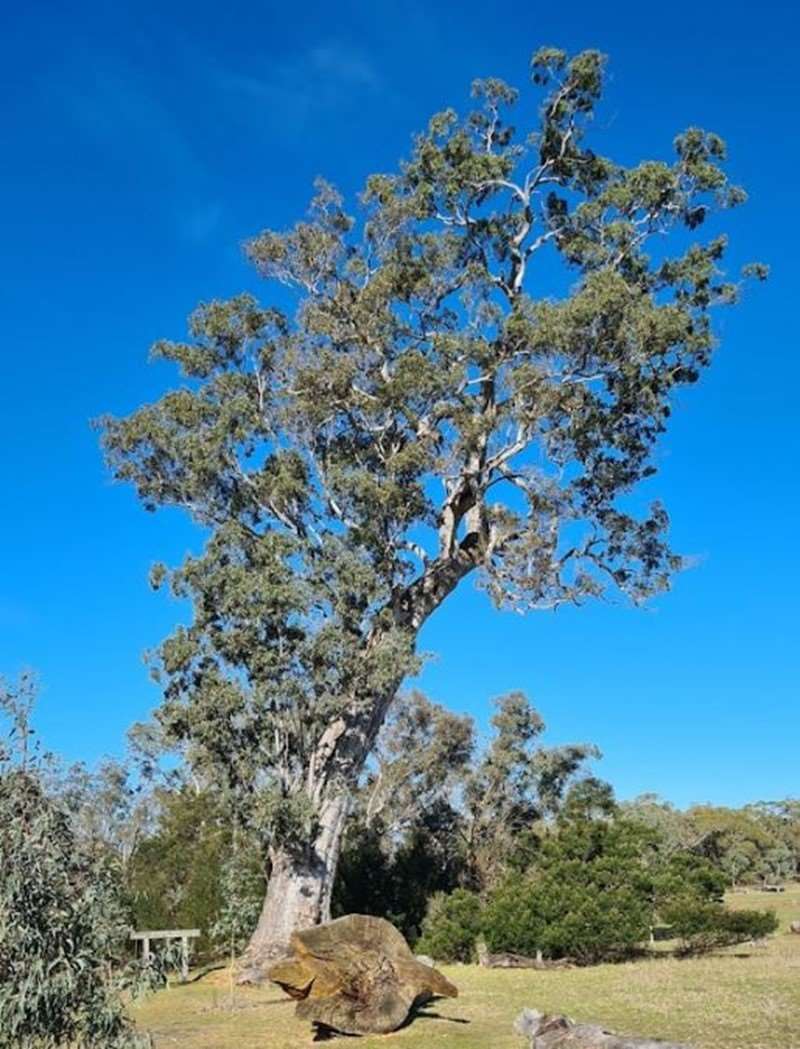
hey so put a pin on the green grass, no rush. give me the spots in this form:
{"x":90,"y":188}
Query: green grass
{"x":745,"y":998}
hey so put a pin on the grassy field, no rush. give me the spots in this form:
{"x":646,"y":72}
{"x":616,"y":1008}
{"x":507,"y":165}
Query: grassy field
{"x":745,"y":998}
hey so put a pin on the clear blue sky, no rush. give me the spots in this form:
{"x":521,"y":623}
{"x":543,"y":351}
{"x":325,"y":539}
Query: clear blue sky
{"x":143,"y":142}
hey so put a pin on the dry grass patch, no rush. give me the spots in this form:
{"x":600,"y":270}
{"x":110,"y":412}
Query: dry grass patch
{"x":747,"y":998}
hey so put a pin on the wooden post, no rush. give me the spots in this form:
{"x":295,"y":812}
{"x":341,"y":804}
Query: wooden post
{"x":185,"y":936}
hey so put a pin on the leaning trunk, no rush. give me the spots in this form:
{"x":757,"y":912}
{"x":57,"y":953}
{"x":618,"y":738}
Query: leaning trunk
{"x":301,"y":882}
{"x":298,"y":892}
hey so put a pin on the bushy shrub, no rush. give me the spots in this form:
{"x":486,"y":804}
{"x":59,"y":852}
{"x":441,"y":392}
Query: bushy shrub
{"x":566,"y":918}
{"x":599,"y":886}
{"x":589,"y":898}
{"x":703,"y":926}
{"x":688,"y":899}
{"x":514,"y":919}
{"x":451,"y":927}
{"x":686,"y":876}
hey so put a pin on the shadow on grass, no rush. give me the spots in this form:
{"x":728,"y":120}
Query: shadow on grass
{"x":196,"y":977}
{"x":326,"y":1034}
{"x":425,"y":1014}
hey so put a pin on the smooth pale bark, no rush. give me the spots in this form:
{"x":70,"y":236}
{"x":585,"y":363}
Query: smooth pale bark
{"x":298,"y":892}
{"x":301,"y":883}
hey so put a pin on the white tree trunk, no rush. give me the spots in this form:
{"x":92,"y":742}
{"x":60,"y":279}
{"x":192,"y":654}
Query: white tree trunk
{"x":298,"y":892}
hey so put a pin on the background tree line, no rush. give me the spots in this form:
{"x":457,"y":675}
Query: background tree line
{"x":445,"y":825}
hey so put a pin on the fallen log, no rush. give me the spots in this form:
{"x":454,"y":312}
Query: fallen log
{"x":545,"y":1031}
{"x":357,"y":975}
{"x":508,"y":960}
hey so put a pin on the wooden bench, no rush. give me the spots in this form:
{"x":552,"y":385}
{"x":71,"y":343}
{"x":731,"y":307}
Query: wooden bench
{"x":184,"y":935}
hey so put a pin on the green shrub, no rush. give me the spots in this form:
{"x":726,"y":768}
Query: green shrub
{"x":589,"y":898}
{"x":685,"y":876}
{"x":451,"y":926}
{"x":514,"y":919}
{"x":703,"y":926}
{"x":566,"y":917}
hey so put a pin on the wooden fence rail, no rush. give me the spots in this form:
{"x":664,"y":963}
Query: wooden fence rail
{"x":184,"y":935}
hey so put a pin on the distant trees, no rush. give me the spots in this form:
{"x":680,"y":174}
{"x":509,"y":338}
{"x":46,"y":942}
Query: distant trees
{"x":514,"y":785}
{"x":396,"y":878}
{"x":421,"y":754}
{"x":782,"y":818}
{"x":453,"y":812}
{"x":755,"y":844}
{"x":182,"y":874}
{"x":112,"y":806}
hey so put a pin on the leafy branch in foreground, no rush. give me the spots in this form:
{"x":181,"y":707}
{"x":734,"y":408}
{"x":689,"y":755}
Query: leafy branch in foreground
{"x":62,"y":925}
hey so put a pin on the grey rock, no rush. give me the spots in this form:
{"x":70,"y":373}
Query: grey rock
{"x":544,"y":1031}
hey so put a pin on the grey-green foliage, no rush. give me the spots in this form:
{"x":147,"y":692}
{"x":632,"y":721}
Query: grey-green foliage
{"x":675,"y":827}
{"x":112,"y":809}
{"x":759,"y":842}
{"x":421,"y":757}
{"x":62,"y":926}
{"x":515,"y":785}
{"x":241,"y":892}
{"x":433,"y":408}
{"x":469,"y":811}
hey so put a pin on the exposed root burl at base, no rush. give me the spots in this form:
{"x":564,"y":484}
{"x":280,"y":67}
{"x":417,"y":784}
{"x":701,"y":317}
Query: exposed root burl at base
{"x":357,"y":975}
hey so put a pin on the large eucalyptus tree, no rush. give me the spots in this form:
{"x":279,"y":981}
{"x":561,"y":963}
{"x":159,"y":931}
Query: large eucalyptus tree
{"x":435,"y":405}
